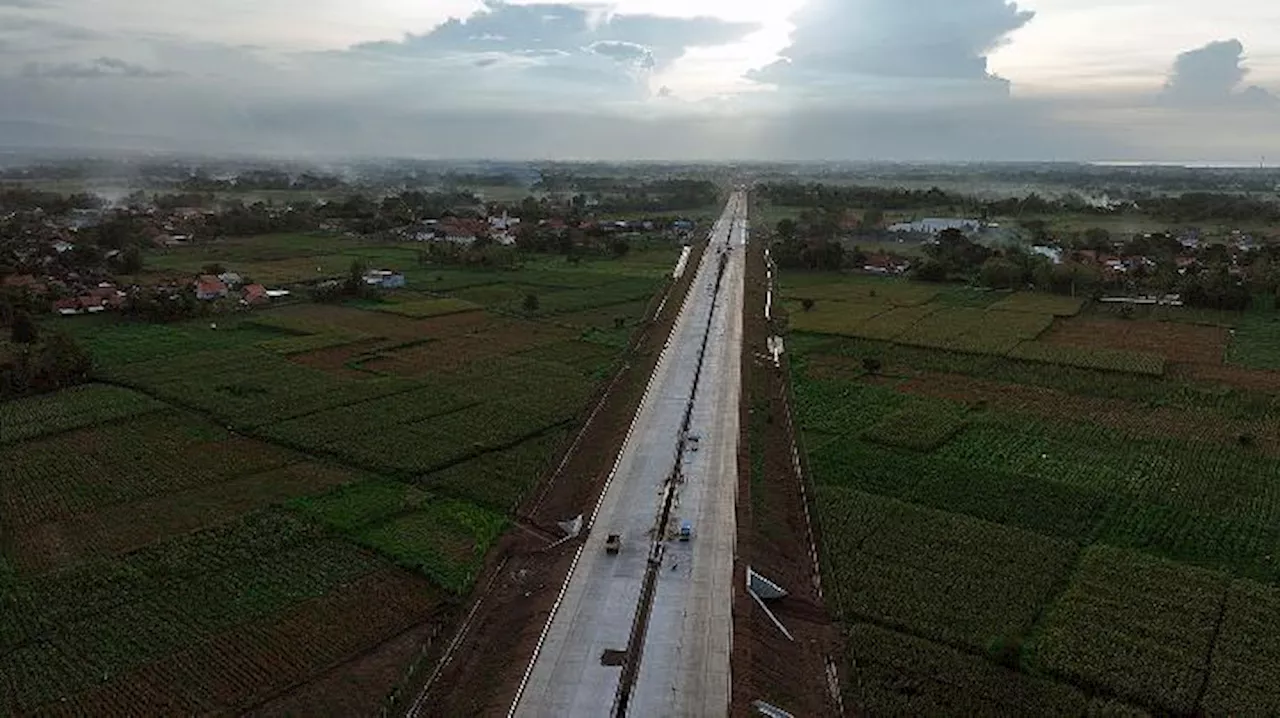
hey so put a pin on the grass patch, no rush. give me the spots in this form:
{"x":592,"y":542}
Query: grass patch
{"x":427,"y":308}
{"x":1256,"y":342}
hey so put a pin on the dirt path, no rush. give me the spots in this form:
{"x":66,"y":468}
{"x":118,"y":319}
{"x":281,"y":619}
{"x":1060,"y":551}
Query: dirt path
{"x":775,"y":538}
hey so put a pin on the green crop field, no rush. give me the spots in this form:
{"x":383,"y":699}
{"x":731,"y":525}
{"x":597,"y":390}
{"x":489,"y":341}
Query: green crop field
{"x":1036,"y":303}
{"x":74,"y":408}
{"x":1016,"y":526}
{"x":240,"y":503}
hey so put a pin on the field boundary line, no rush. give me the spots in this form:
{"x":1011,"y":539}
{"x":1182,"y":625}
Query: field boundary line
{"x":447,"y":656}
{"x":1213,"y":644}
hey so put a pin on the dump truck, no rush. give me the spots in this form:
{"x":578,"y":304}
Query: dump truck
{"x":613,"y":544}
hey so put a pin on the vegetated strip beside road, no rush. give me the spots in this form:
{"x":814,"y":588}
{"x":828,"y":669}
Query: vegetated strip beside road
{"x":482,"y":672}
{"x":774,"y":536}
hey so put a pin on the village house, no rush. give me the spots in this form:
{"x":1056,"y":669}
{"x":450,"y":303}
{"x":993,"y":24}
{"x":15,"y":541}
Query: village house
{"x":254,"y":294}
{"x":210,"y":288}
{"x":886,"y":264}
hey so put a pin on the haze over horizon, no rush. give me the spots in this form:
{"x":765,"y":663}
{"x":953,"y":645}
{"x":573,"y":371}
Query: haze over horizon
{"x":945,"y":80}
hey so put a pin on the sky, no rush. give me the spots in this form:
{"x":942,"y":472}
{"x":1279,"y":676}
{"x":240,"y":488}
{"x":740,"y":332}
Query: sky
{"x":914,"y":80}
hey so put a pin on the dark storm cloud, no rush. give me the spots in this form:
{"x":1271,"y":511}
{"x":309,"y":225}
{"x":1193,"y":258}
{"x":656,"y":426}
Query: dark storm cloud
{"x":929,"y":45}
{"x":102,"y":67}
{"x":1212,"y":76}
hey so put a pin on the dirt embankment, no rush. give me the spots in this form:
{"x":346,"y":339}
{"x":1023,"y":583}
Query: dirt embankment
{"x":480,"y":676}
{"x":775,"y":539}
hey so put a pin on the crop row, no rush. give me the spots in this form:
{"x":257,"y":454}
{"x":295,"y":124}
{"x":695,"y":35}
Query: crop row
{"x":577,"y":300}
{"x":73,"y":408}
{"x":249,"y":387}
{"x":1225,"y":480}
{"x":59,"y":476}
{"x":1104,"y":359}
{"x":116,"y":345}
{"x":498,"y":480}
{"x":36,"y":604}
{"x":443,"y":538}
{"x":974,"y":330}
{"x":1140,"y":626}
{"x":154,"y":622}
{"x":425,"y":445}
{"x":1244,"y":546}
{"x":955,"y":579}
{"x":854,"y":290}
{"x":920,"y":425}
{"x":1039,"y":303}
{"x":891,"y":673}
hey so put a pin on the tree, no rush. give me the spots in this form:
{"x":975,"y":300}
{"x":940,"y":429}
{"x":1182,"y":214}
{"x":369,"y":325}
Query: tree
{"x":355,"y":276}
{"x":531,"y":303}
{"x":1000,"y":273}
{"x":872,"y":365}
{"x":807,"y":304}
{"x":872,"y":218}
{"x":6,"y":312}
{"x":620,"y":248}
{"x":1097,"y":238}
{"x":25,"y":330}
{"x":214,"y":268}
{"x":787,"y":228}
{"x":931,"y":270}
{"x":131,"y":260}
{"x":63,"y":362}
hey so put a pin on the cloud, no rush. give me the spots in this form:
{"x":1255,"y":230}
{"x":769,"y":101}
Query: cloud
{"x":25,"y":4}
{"x":511,"y":55}
{"x":625,"y":52}
{"x":1211,"y":76}
{"x":565,"y":28}
{"x":102,"y":67}
{"x":27,"y":27}
{"x":896,"y":49}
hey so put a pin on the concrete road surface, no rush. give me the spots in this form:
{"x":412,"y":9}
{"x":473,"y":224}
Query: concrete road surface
{"x":684,"y":650}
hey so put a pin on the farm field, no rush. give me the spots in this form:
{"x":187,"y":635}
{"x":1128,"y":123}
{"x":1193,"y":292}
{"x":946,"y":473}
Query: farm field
{"x":238,"y":508}
{"x":1024,"y":502}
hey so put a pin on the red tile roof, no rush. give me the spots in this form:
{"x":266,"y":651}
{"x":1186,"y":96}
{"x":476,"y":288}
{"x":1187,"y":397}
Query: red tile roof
{"x":255,"y":293}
